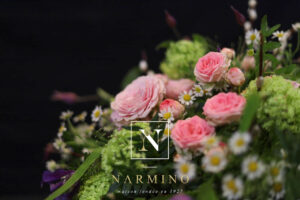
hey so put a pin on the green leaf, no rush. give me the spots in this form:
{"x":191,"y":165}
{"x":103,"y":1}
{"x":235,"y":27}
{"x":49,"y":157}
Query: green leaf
{"x":206,"y":191}
{"x":163,"y":45}
{"x":104,"y":95}
{"x":264,"y":25}
{"x":77,"y":175}
{"x":253,"y":102}
{"x":286,"y":70}
{"x":272,"y":58}
{"x":298,"y":45}
{"x":272,"y":29}
{"x":199,"y":38}
{"x":271,"y":45}
{"x":130,"y":76}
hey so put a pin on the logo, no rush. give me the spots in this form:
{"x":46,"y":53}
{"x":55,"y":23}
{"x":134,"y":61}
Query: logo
{"x":154,"y":144}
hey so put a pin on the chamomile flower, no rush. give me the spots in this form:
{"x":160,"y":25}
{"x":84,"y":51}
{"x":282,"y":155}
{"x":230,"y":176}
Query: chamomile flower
{"x":61,"y":130}
{"x":210,"y":142}
{"x":232,"y":187}
{"x":276,"y":171}
{"x":277,"y":191}
{"x":167,"y":131}
{"x":51,"y":165}
{"x":66,"y":115}
{"x":59,"y":144}
{"x":166,"y":114}
{"x":296,"y":26}
{"x":185,"y":168}
{"x":279,"y":35}
{"x":214,"y":161}
{"x":96,"y":114}
{"x":252,"y":37}
{"x":239,"y":142}
{"x":187,"y":98}
{"x":198,"y":91}
{"x":81,"y":117}
{"x":66,"y":153}
{"x":252,"y":167}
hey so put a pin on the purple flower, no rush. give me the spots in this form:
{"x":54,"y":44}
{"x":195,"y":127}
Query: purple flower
{"x":240,"y":18}
{"x":56,"y":179}
{"x":66,"y":97}
{"x":170,"y":20}
{"x":181,"y":197}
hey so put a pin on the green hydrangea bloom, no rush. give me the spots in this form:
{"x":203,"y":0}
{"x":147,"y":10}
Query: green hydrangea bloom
{"x":95,"y":187}
{"x":181,"y":58}
{"x":280,"y":107}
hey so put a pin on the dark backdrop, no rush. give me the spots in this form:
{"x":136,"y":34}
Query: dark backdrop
{"x":79,"y":46}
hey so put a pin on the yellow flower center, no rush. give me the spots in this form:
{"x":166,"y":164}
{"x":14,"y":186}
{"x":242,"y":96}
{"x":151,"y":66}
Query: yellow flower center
{"x":231,"y":185}
{"x":198,"y":89}
{"x":184,"y":168}
{"x":61,"y":129}
{"x":253,"y":37}
{"x":97,"y":113}
{"x":167,"y":115}
{"x":280,"y":35}
{"x":211,"y":140}
{"x":252,"y":166}
{"x":215,"y":160}
{"x":274,"y":171}
{"x":167,"y":131}
{"x":240,"y":142}
{"x":277,"y":187}
{"x":187,"y":97}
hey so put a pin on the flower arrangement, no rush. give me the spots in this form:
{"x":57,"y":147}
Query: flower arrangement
{"x":231,"y":119}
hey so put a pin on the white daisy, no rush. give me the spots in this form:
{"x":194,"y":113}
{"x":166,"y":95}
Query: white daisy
{"x":252,"y":167}
{"x":276,"y":171}
{"x":81,"y":117}
{"x":61,"y":130}
{"x":198,"y":91}
{"x":167,"y":131}
{"x":187,"y":98}
{"x":96,"y":114}
{"x":166,"y":115}
{"x":66,"y":153}
{"x":66,"y":115}
{"x":214,"y":161}
{"x":252,"y":37}
{"x":59,"y":144}
{"x":239,"y":142}
{"x":232,"y":187}
{"x":51,"y":165}
{"x":277,"y":191}
{"x":296,"y":26}
{"x":210,"y":142}
{"x":185,"y":168}
{"x":279,"y":34}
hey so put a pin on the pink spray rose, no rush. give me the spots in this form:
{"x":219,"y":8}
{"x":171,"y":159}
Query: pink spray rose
{"x":211,"y":67}
{"x":230,"y":53}
{"x":248,"y":63}
{"x":138,"y":99}
{"x":190,"y":133}
{"x":162,"y":77}
{"x":224,"y":108}
{"x":176,"y":108}
{"x":235,"y":76}
{"x":176,"y":87}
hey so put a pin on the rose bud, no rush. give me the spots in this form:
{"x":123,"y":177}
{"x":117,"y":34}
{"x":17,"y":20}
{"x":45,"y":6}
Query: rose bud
{"x":230,"y":53}
{"x":240,"y":18}
{"x":66,"y":97}
{"x":176,"y":87}
{"x":248,"y":63}
{"x":170,"y":20}
{"x":235,"y":77}
{"x":176,"y":108}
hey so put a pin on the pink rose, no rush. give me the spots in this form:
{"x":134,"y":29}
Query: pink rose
{"x":176,"y":87}
{"x":162,"y":77}
{"x":235,"y":76}
{"x":248,"y":63}
{"x":230,"y":53}
{"x":211,"y":67}
{"x":138,"y":99}
{"x":176,"y":108}
{"x":190,"y":133}
{"x":224,"y":108}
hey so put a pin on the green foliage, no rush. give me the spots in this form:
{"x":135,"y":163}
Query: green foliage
{"x":182,"y":56}
{"x":132,"y":74}
{"x":280,"y":105}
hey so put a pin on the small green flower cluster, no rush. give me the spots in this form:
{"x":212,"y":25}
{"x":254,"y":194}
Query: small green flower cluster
{"x":280,"y":108}
{"x":181,"y":58}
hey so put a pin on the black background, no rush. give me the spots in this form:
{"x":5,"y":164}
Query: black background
{"x":79,"y":46}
